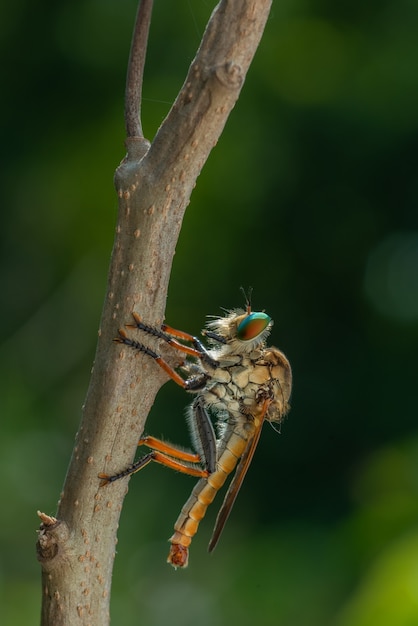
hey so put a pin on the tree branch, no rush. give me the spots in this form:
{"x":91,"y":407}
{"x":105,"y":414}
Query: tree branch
{"x":135,"y":74}
{"x":153,"y":184}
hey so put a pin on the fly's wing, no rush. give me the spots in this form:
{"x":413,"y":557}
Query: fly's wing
{"x":235,"y":485}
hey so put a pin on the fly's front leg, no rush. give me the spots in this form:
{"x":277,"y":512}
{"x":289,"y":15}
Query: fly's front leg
{"x":166,"y":333}
{"x":162,"y":453}
{"x":189,"y":384}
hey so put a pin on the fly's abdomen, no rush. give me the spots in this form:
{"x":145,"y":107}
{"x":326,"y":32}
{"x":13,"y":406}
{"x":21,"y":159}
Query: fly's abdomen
{"x":202,"y":495}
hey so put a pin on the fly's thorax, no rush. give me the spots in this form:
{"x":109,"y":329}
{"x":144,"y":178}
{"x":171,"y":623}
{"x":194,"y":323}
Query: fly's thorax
{"x":236,"y":388}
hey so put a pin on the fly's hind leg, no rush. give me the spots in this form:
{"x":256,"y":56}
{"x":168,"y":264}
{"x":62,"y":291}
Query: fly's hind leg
{"x":165,"y":454}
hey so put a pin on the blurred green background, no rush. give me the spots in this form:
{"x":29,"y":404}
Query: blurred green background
{"x":310,"y":197}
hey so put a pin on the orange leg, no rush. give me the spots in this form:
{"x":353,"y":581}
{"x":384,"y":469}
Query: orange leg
{"x":168,"y":449}
{"x":162,"y":453}
{"x":181,"y":334}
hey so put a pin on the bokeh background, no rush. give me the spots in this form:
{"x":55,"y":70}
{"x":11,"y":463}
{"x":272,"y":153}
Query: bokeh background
{"x":311,"y":198}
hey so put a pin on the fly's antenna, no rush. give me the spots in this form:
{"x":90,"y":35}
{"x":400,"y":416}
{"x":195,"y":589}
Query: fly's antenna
{"x":247,"y":297}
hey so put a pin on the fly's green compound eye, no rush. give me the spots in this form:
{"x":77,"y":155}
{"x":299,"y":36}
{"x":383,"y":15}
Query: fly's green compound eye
{"x":252,"y":326}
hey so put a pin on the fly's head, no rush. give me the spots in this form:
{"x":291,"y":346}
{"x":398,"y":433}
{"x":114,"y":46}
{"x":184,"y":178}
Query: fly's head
{"x":240,"y":332}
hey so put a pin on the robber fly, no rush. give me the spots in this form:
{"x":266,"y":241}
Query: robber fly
{"x":238,"y":381}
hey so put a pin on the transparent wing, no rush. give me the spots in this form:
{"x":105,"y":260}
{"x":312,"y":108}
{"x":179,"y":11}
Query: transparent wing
{"x":235,"y":485}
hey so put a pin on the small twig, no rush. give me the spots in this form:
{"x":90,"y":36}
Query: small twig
{"x":134,"y":79}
